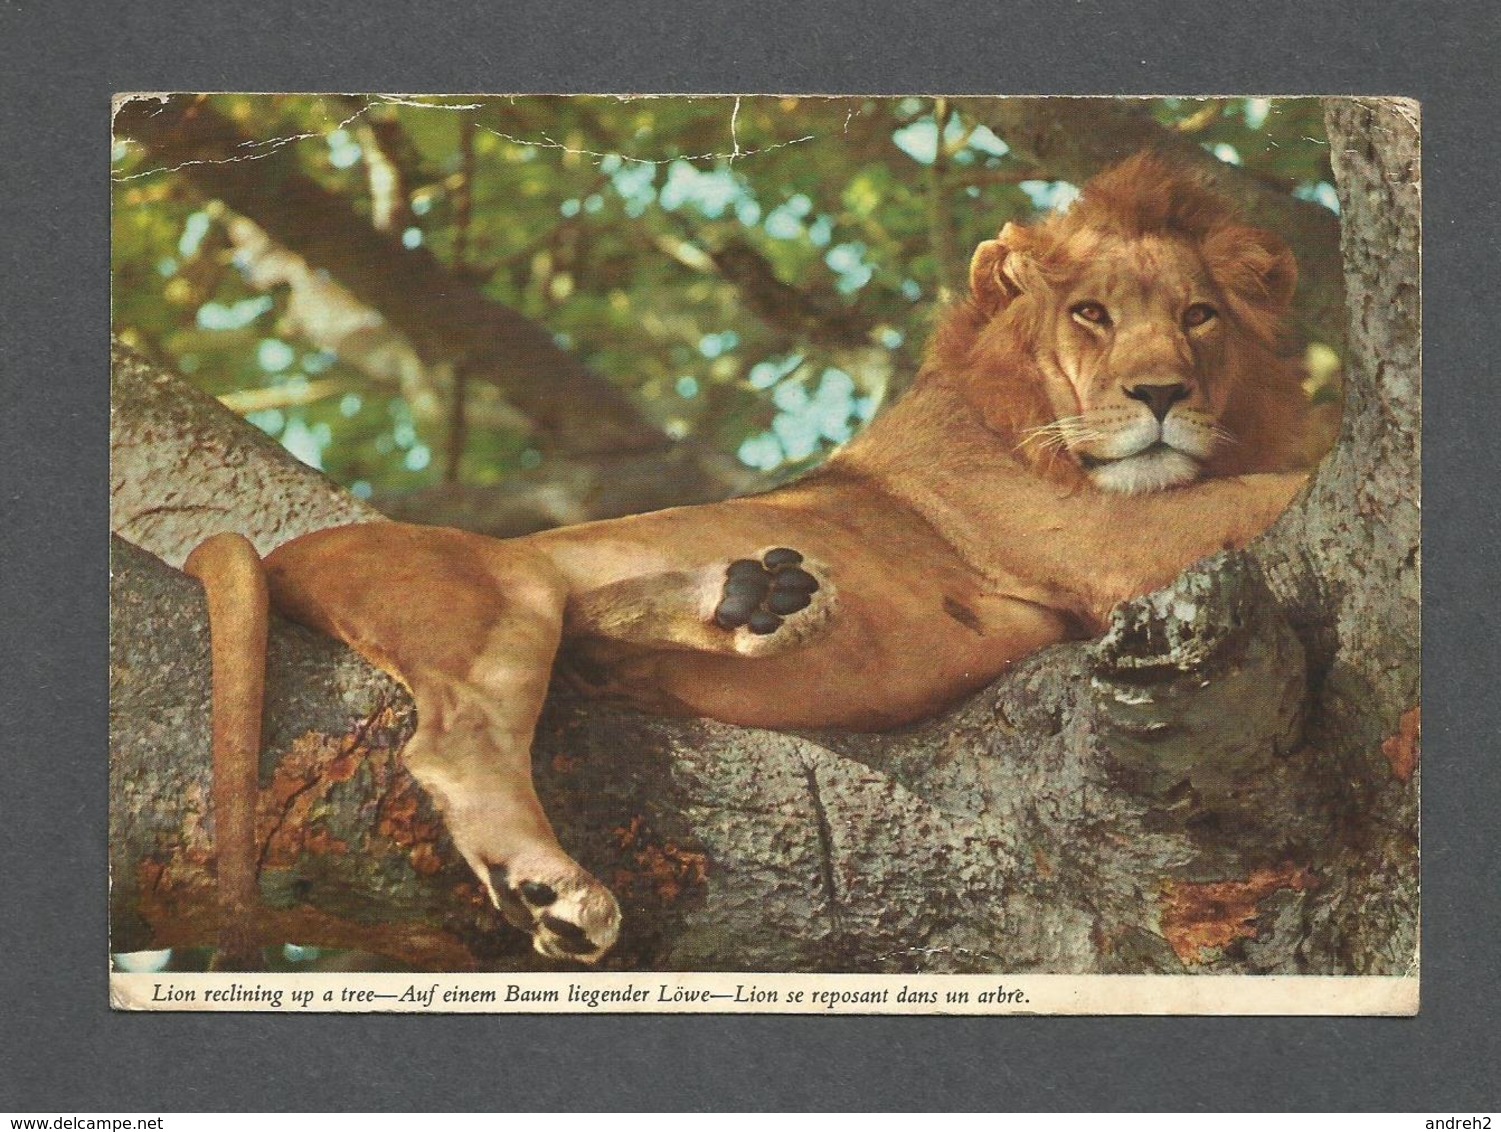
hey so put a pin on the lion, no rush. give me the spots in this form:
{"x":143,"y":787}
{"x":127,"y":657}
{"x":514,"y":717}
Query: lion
{"x":1105,"y":407}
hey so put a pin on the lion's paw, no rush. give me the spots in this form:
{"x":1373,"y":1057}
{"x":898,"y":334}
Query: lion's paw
{"x":568,"y":913}
{"x":759,"y":594}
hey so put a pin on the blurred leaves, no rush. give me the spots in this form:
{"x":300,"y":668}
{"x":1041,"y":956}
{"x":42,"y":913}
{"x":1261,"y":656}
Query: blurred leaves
{"x":756,"y":272}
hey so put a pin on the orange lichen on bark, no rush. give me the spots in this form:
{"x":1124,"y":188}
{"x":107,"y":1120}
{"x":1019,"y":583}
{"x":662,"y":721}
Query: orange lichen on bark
{"x":403,"y":819}
{"x":1198,"y":919}
{"x":661,"y":869}
{"x":1405,"y":748}
{"x":286,"y":823}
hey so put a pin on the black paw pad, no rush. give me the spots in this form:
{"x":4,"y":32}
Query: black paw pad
{"x":569,"y":937}
{"x":759,"y":594}
{"x":536,"y":894}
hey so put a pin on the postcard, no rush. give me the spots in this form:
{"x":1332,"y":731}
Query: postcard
{"x":765,"y":554}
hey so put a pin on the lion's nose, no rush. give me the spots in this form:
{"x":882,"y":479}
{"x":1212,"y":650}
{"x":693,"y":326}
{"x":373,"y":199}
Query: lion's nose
{"x":1158,"y":398}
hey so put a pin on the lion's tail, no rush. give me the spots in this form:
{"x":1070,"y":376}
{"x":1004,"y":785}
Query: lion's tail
{"x":235,"y":583}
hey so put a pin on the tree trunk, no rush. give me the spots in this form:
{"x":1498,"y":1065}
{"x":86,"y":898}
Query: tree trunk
{"x":1226,"y":782}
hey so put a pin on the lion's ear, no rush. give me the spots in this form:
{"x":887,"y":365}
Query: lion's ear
{"x":1253,"y":264}
{"x":998,"y":271}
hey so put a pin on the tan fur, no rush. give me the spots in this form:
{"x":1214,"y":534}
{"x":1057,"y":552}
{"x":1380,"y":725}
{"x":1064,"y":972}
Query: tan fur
{"x":955,"y":536}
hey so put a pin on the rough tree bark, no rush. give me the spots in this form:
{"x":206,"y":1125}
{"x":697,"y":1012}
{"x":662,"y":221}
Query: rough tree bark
{"x":1226,"y":782}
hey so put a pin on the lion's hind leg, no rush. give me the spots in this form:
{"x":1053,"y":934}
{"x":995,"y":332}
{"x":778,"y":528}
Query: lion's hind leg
{"x":471,"y":627}
{"x":764,"y":604}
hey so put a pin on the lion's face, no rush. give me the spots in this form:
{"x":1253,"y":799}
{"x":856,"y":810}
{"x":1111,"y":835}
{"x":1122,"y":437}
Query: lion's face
{"x":1143,"y":315}
{"x":1135,"y":365}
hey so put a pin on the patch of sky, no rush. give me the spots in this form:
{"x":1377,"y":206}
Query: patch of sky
{"x":791,"y":397}
{"x":593,"y":203}
{"x":1321,"y":192}
{"x":350,"y":404}
{"x":797,"y":433}
{"x":807,"y":420}
{"x":782,"y":225}
{"x":1226,"y":153}
{"x":762,"y":452}
{"x":821,"y":231}
{"x":848,"y":262}
{"x":765,"y":374}
{"x":193,"y":231}
{"x":710,"y":192}
{"x":316,"y":361}
{"x":411,"y":238}
{"x":890,"y":337}
{"x":564,"y":341}
{"x":713,"y":345}
{"x":984,"y":141}
{"x":422,"y":204}
{"x":748,"y":212}
{"x":635,"y":183}
{"x":1050,"y":196}
{"x":418,"y":457}
{"x":361,"y":489}
{"x":119,"y":150}
{"x":269,"y":421}
{"x":571,"y":207}
{"x":273,"y":355}
{"x":404,"y":434}
{"x":233,"y":316}
{"x":919,"y":140}
{"x":911,"y":290}
{"x":143,"y":962}
{"x":785,"y":221}
{"x":343,"y":150}
{"x":305,"y":443}
{"x":687,"y":387}
{"x":166,"y":267}
{"x":611,"y":163}
{"x":1255,"y":110}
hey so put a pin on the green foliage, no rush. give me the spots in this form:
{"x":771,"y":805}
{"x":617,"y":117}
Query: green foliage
{"x":596,"y":218}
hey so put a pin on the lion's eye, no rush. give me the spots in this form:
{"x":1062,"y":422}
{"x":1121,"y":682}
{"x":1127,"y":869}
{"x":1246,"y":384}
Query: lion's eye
{"x":1091,"y":312}
{"x":1198,"y":314}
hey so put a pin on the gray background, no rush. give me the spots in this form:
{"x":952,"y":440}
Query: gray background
{"x":64,"y":1051}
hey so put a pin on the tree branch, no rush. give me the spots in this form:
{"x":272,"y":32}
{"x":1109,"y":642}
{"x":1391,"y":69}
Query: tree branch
{"x":456,"y":323}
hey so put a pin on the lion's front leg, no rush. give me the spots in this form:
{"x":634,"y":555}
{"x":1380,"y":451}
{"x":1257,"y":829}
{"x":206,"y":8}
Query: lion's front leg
{"x":1145,"y":541}
{"x":764,"y":603}
{"x":471,"y":626}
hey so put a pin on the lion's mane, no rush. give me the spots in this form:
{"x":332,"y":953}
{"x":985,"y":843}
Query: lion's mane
{"x":990,"y":355}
